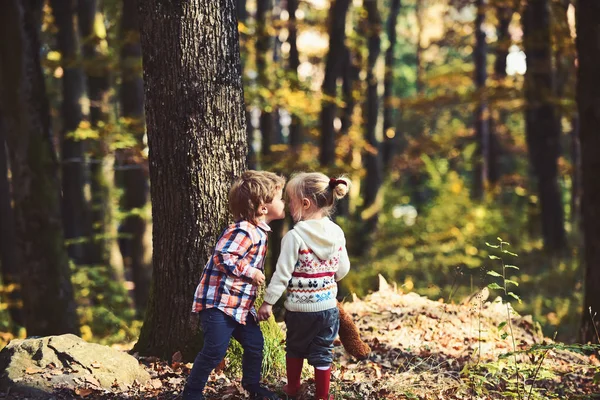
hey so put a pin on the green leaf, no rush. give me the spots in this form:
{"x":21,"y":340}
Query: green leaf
{"x":500,"y":239}
{"x":511,"y":266}
{"x":493,"y":246}
{"x":504,"y":335}
{"x":511,"y":294}
{"x":494,"y":258}
{"x":501,"y":325}
{"x":510,"y":253}
{"x":511,"y":281}
{"x":495,"y":286}
{"x":493,"y":273}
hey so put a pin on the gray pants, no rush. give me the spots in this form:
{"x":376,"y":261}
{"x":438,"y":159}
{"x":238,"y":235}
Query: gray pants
{"x":310,"y":335}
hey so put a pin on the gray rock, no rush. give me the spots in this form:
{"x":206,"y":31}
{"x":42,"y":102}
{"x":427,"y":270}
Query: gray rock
{"x":37,"y":366}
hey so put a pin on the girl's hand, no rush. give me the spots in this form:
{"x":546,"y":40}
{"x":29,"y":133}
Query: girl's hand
{"x":265,"y":311}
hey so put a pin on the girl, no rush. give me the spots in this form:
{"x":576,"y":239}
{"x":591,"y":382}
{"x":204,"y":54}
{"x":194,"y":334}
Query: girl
{"x":313,"y":258}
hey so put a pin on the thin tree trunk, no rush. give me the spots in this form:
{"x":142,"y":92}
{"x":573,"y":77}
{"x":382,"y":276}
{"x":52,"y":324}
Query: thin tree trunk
{"x":242,"y":13}
{"x":498,"y":116}
{"x":390,"y":139}
{"x":264,"y":50}
{"x":40,"y":249}
{"x":588,"y":100}
{"x":373,"y":158}
{"x":11,"y":278}
{"x":337,"y":37}
{"x":134,"y":175}
{"x":542,"y":125}
{"x":74,"y":204}
{"x":294,"y":63}
{"x":103,"y":247}
{"x":195,"y":118}
{"x":482,"y":127}
{"x":419,"y":51}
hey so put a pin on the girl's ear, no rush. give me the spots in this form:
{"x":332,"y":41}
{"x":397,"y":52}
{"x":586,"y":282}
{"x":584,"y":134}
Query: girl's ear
{"x":305,"y":203}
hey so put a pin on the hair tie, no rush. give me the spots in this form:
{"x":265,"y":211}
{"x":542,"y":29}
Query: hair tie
{"x":334,"y":182}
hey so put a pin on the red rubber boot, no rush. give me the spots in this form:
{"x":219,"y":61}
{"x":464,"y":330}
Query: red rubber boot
{"x":293,"y":368}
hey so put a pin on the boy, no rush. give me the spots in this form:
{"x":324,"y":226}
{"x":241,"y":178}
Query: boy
{"x":227,"y":290}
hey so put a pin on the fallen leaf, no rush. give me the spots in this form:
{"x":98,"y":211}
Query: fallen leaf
{"x":33,"y":370}
{"x":83,"y":392}
{"x":177,"y":357}
{"x":96,"y":364}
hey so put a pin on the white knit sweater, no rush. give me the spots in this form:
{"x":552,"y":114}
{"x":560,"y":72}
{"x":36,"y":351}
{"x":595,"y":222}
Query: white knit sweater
{"x":313,"y":258}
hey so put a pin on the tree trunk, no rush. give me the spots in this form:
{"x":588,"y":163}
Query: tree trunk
{"x":373,"y":159}
{"x":264,"y":50}
{"x":482,"y":127}
{"x":294,"y":63}
{"x":498,"y":116}
{"x":40,"y":248}
{"x":333,"y":66}
{"x":542,"y":125}
{"x":74,"y":204}
{"x":134,"y":177}
{"x":11,"y":278}
{"x":197,"y":137}
{"x":390,"y":140}
{"x":103,"y":249}
{"x":588,"y":99}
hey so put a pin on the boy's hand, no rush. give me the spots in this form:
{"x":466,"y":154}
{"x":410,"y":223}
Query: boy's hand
{"x":265,"y":311}
{"x":258,"y":279}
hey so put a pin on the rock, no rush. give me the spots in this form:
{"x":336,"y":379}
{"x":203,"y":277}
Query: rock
{"x":37,"y":366}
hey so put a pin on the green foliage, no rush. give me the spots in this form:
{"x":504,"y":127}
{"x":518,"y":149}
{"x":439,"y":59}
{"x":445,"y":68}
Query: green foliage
{"x":104,"y":306}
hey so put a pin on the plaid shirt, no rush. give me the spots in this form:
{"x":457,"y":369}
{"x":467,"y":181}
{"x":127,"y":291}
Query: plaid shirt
{"x":226,"y":282}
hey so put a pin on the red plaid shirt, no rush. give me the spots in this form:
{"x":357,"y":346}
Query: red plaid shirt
{"x":226,"y":281}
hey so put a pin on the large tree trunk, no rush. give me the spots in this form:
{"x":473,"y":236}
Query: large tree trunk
{"x":337,"y":37}
{"x":390,"y":137}
{"x":372,"y":159}
{"x":134,"y":175}
{"x":588,"y":99}
{"x":482,"y":127}
{"x":197,"y":137}
{"x":74,"y":204}
{"x":48,"y":303}
{"x":542,"y":125}
{"x":11,"y":278}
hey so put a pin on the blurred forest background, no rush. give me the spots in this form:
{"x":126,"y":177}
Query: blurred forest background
{"x":455,"y":119}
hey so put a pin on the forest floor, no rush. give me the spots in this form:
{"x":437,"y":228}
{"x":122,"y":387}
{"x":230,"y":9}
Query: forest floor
{"x":421,"y":349}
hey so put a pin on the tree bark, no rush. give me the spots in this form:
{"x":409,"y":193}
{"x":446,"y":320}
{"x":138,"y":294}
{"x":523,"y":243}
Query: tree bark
{"x":333,"y":66}
{"x":134,"y":175}
{"x":542,"y":125}
{"x":74,"y":204}
{"x":197,"y":137}
{"x":40,"y":249}
{"x":588,"y":100}
{"x":11,"y":278}
{"x":390,"y":139}
{"x":482,"y":127}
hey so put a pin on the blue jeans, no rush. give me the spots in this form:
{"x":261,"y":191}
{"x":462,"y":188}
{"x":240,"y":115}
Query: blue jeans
{"x":218,"y":329}
{"x":310,"y":335}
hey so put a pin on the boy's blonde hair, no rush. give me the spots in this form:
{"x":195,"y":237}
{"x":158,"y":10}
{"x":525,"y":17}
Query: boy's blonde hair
{"x":321,"y":190}
{"x":250,"y":190}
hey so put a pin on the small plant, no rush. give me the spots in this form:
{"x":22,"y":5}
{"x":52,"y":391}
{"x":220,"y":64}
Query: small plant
{"x":505,"y":282}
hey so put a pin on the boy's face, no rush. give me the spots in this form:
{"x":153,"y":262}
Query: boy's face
{"x":276,"y":208}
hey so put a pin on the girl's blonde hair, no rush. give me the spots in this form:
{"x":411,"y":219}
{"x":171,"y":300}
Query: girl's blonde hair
{"x":319,"y":189}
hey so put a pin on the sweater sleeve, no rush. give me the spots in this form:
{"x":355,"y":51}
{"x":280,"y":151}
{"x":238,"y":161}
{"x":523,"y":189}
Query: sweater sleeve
{"x":344,"y":267}
{"x":284,"y":269}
